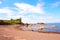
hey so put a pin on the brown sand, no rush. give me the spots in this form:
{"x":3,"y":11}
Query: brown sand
{"x":10,"y":33}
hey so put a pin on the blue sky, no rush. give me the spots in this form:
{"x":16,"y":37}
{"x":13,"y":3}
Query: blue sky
{"x":31,"y":11}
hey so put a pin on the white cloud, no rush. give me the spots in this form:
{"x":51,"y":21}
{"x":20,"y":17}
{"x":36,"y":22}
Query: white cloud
{"x":7,"y":11}
{"x":27,"y":8}
{"x":23,"y":9}
{"x":35,"y":19}
{"x":32,"y":18}
{"x":55,"y":4}
{"x":53,"y":21}
{"x":0,"y":2}
{"x":29,"y":18}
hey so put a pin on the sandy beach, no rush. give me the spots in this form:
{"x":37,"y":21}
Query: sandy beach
{"x":11,"y":33}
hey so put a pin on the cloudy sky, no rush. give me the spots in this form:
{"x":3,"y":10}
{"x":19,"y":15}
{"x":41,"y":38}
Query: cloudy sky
{"x":31,"y":11}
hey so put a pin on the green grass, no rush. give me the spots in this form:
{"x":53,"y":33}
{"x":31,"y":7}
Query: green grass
{"x":16,"y":21}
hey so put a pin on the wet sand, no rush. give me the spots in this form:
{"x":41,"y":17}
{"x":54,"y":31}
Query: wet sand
{"x":11,"y":33}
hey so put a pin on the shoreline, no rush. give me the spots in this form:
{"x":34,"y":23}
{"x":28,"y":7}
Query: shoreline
{"x":7,"y":33}
{"x":51,"y":32}
{"x":17,"y":26}
{"x":43,"y":32}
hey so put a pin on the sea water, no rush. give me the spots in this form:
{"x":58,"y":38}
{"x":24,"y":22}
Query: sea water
{"x":48,"y":25}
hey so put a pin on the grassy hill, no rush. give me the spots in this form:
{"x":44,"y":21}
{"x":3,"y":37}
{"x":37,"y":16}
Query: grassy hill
{"x":10,"y":22}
